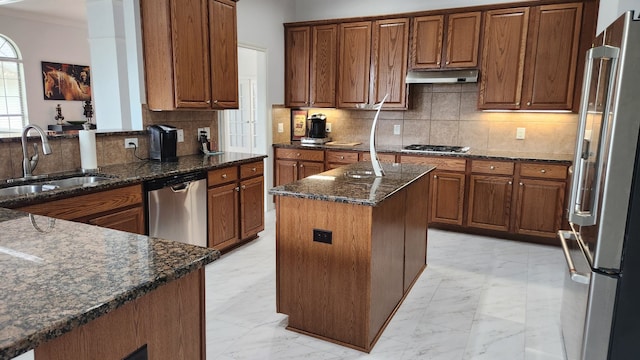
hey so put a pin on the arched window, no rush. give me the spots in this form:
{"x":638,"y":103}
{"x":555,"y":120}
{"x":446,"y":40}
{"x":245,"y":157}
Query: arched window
{"x":12,"y":98}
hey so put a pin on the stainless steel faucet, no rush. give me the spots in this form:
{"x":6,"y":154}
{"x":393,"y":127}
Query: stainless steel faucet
{"x":29,"y":163}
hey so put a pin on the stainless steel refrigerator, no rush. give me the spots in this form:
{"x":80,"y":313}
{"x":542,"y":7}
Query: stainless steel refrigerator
{"x":601,"y":299}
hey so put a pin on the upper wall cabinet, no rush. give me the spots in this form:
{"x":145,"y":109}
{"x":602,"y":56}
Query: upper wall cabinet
{"x":431,"y":48}
{"x":529,"y":57}
{"x":372,"y":63}
{"x":190,"y":54}
{"x":310,"y":65}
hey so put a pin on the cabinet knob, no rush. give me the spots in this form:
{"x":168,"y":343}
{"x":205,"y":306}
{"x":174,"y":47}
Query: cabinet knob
{"x":237,"y":189}
{"x":438,"y":63}
{"x":341,"y":157}
{"x":253,"y":169}
{"x":244,"y":187}
{"x":492,"y":167}
{"x":435,"y":176}
{"x":518,"y":103}
{"x":528,"y":103}
{"x":521,"y":184}
{"x":543,"y":171}
{"x":301,"y":165}
{"x":510,"y":182}
{"x":446,"y":63}
{"x":208,"y":101}
{"x":224,"y":176}
{"x":298,"y":154}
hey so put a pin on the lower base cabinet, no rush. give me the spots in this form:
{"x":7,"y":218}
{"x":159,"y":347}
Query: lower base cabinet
{"x":235,"y":202}
{"x":539,"y":207}
{"x":447,"y":197}
{"x":490,"y":202}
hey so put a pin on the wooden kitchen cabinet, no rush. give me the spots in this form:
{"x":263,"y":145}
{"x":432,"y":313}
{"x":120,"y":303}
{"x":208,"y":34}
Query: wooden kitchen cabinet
{"x":446,"y":197}
{"x":310,"y":65}
{"x":540,"y":199}
{"x":354,"y":61}
{"x":295,"y":164}
{"x":388,"y":158}
{"x":337,"y":158}
{"x":490,"y":189}
{"x":190,"y":54}
{"x":529,"y":57}
{"x":119,"y":209}
{"x":431,"y":48}
{"x":235,"y":202}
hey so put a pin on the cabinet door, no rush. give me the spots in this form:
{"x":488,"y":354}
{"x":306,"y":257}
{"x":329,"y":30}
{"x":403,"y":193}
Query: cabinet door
{"x":389,"y":62}
{"x":353,"y":64}
{"x":286,"y":171}
{"x":505,"y":34}
{"x":222,"y":204}
{"x":552,"y":55}
{"x":251,"y":207}
{"x":189,"y":35}
{"x":447,"y":197}
{"x":463,"y":38}
{"x":323,"y":65}
{"x":489,"y":202}
{"x":426,"y":42}
{"x":296,"y":60}
{"x":223,"y":45}
{"x":308,"y":168}
{"x":130,"y":220}
{"x":539,"y":207}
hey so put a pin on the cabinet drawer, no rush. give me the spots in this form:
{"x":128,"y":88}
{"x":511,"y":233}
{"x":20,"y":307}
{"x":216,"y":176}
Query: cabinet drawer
{"x":544,"y":171}
{"x":221,"y":176}
{"x":492,"y":167}
{"x":441,"y":163}
{"x":251,"y":169}
{"x":300,"y":154}
{"x":388,"y":158}
{"x":342,"y":156}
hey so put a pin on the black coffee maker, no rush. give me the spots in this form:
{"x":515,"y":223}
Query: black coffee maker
{"x":163,"y":141}
{"x":317,"y":126}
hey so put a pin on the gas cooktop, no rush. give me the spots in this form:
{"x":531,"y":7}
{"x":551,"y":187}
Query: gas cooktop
{"x":419,"y":148}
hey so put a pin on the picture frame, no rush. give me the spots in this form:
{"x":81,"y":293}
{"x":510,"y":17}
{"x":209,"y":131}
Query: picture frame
{"x":66,"y":81}
{"x":298,"y":124}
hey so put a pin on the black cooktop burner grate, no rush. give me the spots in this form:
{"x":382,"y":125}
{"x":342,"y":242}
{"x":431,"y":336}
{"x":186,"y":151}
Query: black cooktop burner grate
{"x":435,"y":148}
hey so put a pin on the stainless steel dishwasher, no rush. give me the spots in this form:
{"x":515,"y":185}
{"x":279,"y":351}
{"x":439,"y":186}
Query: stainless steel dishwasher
{"x":177,"y":208}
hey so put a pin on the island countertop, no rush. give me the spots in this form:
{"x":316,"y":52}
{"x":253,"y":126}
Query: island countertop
{"x":354,"y":184}
{"x":58,"y":275}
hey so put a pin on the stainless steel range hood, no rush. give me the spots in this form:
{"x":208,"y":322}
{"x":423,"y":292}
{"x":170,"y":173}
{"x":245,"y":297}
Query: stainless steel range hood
{"x":442,"y":76}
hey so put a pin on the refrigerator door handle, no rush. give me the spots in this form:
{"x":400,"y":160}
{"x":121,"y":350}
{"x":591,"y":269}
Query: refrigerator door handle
{"x":576,"y":214}
{"x":575,"y":275}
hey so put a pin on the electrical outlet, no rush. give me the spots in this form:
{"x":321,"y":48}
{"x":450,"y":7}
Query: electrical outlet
{"x":520,"y":133}
{"x":130,"y":140}
{"x":180,"y":135}
{"x":207,"y":130}
{"x":280,"y":127}
{"x":328,"y":127}
{"x":396,"y":129}
{"x":323,"y":236}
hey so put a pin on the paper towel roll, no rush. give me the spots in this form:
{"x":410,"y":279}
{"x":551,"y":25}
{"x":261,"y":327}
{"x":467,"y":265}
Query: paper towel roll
{"x":88,"y":159}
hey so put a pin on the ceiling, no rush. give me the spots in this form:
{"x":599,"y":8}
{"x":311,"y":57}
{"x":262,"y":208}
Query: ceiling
{"x":66,"y":9}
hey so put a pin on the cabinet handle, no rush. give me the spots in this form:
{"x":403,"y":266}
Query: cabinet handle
{"x":543,"y":171}
{"x":298,"y":154}
{"x":253,"y":169}
{"x":510,"y":183}
{"x":215,"y":101}
{"x":446,"y":63}
{"x":301,"y":165}
{"x":237,"y":189}
{"x":208,"y":101}
{"x":341,"y":157}
{"x":435,"y":176}
{"x":224,"y":176}
{"x":244,"y":187}
{"x":438,"y":63}
{"x":492,"y":167}
{"x":521,"y":184}
{"x":528,"y":103}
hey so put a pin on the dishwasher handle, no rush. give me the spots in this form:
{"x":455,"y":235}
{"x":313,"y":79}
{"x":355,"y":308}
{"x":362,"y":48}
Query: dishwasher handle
{"x":184,"y":187}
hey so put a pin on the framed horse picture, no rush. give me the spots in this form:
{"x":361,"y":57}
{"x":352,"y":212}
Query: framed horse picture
{"x":66,"y":81}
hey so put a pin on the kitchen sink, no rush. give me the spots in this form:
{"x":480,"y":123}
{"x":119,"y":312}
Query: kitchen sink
{"x":26,"y":189}
{"x":360,"y":174}
{"x":52,"y":185}
{"x":77,"y":181}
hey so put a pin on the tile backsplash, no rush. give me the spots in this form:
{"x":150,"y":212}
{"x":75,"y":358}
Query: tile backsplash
{"x":447,"y":114}
{"x":110,"y":148}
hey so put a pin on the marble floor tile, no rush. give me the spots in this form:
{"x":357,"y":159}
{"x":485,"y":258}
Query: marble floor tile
{"x":478,"y":298}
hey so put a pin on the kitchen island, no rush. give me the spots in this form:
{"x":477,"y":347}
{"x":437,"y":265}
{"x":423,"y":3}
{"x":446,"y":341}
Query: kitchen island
{"x":76,"y":291}
{"x":349,"y":246}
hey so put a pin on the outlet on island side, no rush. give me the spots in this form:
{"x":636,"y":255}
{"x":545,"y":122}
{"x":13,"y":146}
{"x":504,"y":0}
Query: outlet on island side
{"x":323,"y":236}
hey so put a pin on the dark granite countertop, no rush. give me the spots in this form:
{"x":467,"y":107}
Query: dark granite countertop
{"x":129,"y":174}
{"x":566,"y":159}
{"x":67,"y":274}
{"x":336,"y":185}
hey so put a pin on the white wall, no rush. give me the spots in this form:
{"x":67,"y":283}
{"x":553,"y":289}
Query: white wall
{"x":40,"y":39}
{"x":328,"y":9}
{"x":610,"y":10}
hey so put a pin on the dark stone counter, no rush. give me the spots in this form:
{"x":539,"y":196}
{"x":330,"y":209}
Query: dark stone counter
{"x":354,"y":184}
{"x":57,"y":275}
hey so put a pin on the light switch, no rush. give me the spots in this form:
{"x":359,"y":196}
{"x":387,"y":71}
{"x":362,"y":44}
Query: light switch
{"x":180,"y":135}
{"x":520,"y":133}
{"x":280,"y":127}
{"x":396,"y":129}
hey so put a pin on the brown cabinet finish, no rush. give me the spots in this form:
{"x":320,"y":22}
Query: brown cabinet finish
{"x":224,"y":221}
{"x":296,"y":63}
{"x":129,"y":220}
{"x":552,"y":56}
{"x":539,"y":207}
{"x":463,"y":40}
{"x":503,"y":52}
{"x":489,"y":202}
{"x":447,"y":197}
{"x":339,"y":158}
{"x":389,"y":62}
{"x":388,"y":158}
{"x":295,"y":164}
{"x":251,"y":207}
{"x":223,"y":45}
{"x":354,"y":61}
{"x":190,"y":54}
{"x":426,"y":42}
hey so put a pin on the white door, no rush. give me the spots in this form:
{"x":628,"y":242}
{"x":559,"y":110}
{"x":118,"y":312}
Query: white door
{"x":240,"y":134}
